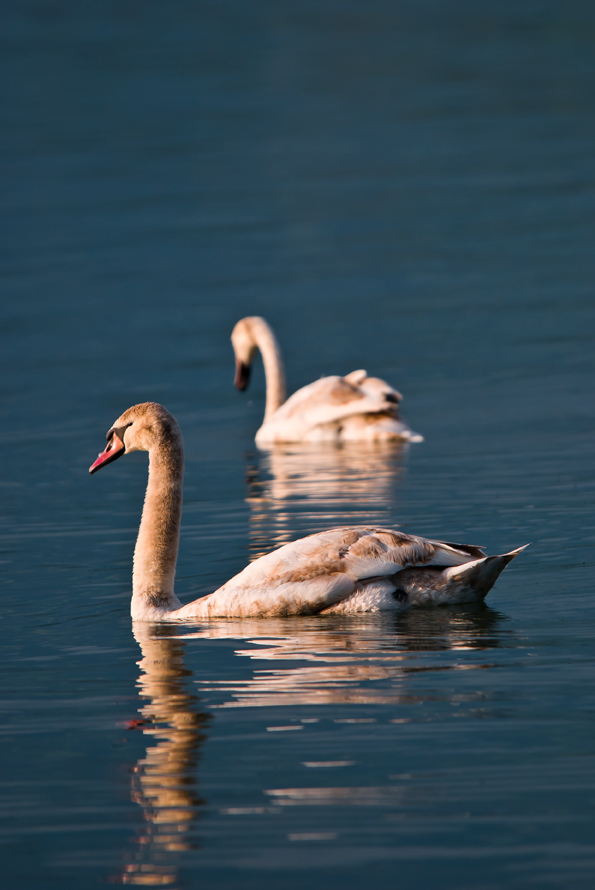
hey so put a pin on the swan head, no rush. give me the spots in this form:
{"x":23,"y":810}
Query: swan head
{"x":244,"y":347}
{"x":140,"y":428}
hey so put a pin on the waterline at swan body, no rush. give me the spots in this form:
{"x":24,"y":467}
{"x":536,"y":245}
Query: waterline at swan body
{"x":333,"y":409}
{"x":342,"y":570}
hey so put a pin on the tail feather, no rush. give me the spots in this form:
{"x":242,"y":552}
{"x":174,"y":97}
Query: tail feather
{"x":481,"y":574}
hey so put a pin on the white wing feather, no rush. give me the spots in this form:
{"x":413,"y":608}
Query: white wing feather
{"x":330,"y":400}
{"x":319,"y":571}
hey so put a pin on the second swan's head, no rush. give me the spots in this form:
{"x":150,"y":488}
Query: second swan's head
{"x":140,"y":428}
{"x":245,"y":337}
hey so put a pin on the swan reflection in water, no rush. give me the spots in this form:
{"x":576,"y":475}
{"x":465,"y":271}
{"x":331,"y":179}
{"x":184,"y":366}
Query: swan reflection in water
{"x":301,"y":488}
{"x":164,"y":780}
{"x":335,"y":660}
{"x":347,"y":660}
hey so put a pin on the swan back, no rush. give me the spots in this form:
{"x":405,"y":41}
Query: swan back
{"x":355,"y":407}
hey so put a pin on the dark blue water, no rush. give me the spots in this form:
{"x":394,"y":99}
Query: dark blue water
{"x":405,"y":187}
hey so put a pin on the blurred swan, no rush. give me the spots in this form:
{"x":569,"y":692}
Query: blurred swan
{"x":354,"y":407}
{"x":163,"y":780}
{"x":354,"y":569}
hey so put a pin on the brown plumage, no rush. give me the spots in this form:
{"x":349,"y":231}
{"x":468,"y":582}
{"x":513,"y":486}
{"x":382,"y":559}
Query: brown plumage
{"x":336,"y":409}
{"x":352,"y":569}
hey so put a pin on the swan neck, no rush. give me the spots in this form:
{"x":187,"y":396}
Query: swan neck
{"x":273,"y":366}
{"x":158,"y":539}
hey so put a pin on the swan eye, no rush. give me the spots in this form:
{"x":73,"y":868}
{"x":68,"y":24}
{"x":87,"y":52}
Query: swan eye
{"x":119,"y":432}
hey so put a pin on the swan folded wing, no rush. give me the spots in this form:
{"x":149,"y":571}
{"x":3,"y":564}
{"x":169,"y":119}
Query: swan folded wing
{"x":330,"y":399}
{"x":360,"y":552}
{"x":314,"y":573}
{"x":379,"y":552}
{"x":303,"y":577}
{"x":471,"y":551}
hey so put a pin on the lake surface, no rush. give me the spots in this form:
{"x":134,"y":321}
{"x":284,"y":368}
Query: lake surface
{"x":405,"y":187}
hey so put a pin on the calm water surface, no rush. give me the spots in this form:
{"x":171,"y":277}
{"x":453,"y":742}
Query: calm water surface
{"x":406,"y":187}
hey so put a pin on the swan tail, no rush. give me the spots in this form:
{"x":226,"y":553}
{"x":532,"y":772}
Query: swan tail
{"x":482,"y":574}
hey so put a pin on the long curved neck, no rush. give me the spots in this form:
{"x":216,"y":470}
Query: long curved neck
{"x":156,"y":548}
{"x":273,"y":365}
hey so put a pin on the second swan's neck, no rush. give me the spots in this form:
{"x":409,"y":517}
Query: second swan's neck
{"x":273,"y":365}
{"x":156,"y":548}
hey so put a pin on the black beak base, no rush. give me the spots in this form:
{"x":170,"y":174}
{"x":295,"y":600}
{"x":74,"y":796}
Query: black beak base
{"x":242,"y":378}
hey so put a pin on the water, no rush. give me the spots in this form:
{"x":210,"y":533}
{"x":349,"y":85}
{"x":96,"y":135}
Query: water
{"x":406,"y":187}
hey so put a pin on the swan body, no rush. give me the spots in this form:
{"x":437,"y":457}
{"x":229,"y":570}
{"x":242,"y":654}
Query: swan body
{"x":342,"y":570}
{"x":336,"y":409}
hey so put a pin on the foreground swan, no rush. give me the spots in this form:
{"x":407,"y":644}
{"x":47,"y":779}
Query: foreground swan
{"x":336,"y":409}
{"x":357,"y":569}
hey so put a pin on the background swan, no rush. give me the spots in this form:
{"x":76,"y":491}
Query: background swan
{"x":354,"y":407}
{"x":356,"y":569}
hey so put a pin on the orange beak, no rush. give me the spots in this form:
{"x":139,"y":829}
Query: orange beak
{"x":114,"y":449}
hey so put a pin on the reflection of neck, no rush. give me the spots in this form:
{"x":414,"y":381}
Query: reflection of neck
{"x":163,"y":780}
{"x":170,"y":707}
{"x":273,"y":365}
{"x":156,"y":548}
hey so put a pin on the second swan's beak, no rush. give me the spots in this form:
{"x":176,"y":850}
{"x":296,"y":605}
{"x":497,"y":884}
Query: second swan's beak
{"x":114,"y":449}
{"x":242,"y":378}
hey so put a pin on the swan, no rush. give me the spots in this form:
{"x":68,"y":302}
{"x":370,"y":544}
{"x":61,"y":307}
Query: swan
{"x":336,"y":409}
{"x":342,"y":570}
